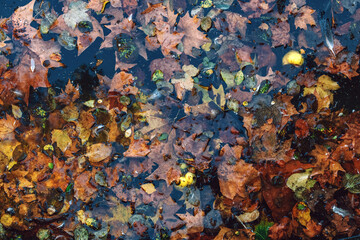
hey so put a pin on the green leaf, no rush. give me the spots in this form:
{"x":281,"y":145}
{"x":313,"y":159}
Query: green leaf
{"x":51,"y":165}
{"x":352,"y":183}
{"x":262,"y":230}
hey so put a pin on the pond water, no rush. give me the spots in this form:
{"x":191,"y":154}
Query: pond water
{"x":196,"y":119}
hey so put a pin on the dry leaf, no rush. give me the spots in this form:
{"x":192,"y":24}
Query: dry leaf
{"x":98,"y":152}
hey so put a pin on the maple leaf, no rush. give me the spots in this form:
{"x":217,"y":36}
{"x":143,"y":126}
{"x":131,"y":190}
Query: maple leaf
{"x":193,"y":38}
{"x":122,"y":83}
{"x":238,"y":179}
{"x":168,"y":40}
{"x":70,"y":95}
{"x":154,"y":13}
{"x":236,"y":23}
{"x":194,"y":223}
{"x":22,"y":77}
{"x":7,"y":127}
{"x":117,"y":25}
{"x":304,"y":17}
{"x":21,"y":20}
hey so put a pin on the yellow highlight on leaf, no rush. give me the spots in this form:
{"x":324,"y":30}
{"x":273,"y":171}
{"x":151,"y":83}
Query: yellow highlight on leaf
{"x":6,"y":220}
{"x":48,"y":147}
{"x":149,"y":188}
{"x":293,"y":58}
{"x":322,"y":91}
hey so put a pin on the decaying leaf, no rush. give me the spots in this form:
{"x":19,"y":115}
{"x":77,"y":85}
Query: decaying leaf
{"x":98,"y":152}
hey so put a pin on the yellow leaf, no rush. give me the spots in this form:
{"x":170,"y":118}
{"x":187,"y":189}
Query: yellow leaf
{"x":16,"y":111}
{"x":326,"y":83}
{"x":149,"y":188}
{"x":8,"y":147}
{"x":219,"y":96}
{"x":293,"y":58}
{"x":6,"y":220}
{"x":61,"y":138}
{"x":322,"y":92}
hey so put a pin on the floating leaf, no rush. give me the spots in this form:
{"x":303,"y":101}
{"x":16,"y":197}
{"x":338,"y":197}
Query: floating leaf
{"x":149,"y":188}
{"x":98,"y":152}
{"x":61,"y":138}
{"x":352,"y":183}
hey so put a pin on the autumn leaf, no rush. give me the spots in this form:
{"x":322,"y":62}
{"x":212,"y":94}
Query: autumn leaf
{"x":193,"y":38}
{"x":304,"y":17}
{"x":117,"y":25}
{"x":238,"y":179}
{"x":21,"y":78}
{"x":236,"y":23}
{"x":137,"y":148}
{"x":7,"y":127}
{"x":167,"y":39}
{"x":322,"y":91}
{"x":61,"y":138}
{"x":194,"y":223}
{"x":98,"y":152}
{"x":280,"y":34}
{"x":122,"y":82}
{"x":70,"y":95}
{"x":21,"y":20}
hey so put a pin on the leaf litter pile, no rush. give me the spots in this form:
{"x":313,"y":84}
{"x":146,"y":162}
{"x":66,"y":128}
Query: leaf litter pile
{"x":212,"y":119}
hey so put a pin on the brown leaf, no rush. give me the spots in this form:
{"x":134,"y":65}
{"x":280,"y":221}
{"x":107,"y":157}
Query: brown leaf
{"x":280,"y":34}
{"x":137,"y":148}
{"x":238,"y":179}
{"x":301,"y":128}
{"x":7,"y":126}
{"x":98,"y":152}
{"x":193,"y":38}
{"x":236,"y":23}
{"x":122,"y":82}
{"x":21,"y":20}
{"x":83,"y":189}
{"x":194,"y":223}
{"x":167,"y":39}
{"x":304,"y":17}
{"x":167,"y":65}
{"x":70,"y":95}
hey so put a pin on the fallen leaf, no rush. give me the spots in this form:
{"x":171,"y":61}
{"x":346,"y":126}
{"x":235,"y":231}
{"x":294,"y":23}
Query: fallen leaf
{"x":98,"y":152}
{"x":239,"y":179}
{"x":193,"y":38}
{"x":149,"y":188}
{"x":304,"y":17}
{"x":61,"y":138}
